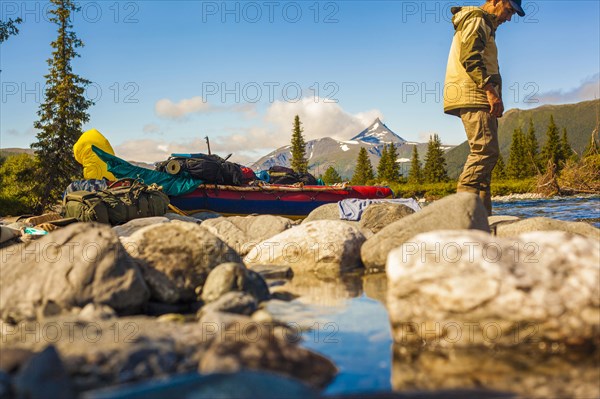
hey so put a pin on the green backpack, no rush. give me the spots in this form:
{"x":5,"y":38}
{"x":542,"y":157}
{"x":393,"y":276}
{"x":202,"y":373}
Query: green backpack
{"x":116,"y":205}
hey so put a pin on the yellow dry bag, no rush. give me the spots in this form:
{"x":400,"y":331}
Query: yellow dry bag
{"x":93,"y":167}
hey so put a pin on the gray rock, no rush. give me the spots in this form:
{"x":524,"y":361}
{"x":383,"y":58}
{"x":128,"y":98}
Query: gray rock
{"x":242,"y":233}
{"x":325,"y":247}
{"x":454,"y":212}
{"x":202,"y":216}
{"x":231,"y":302}
{"x":537,"y":287}
{"x":109,"y":352}
{"x":92,"y":312}
{"x":273,"y":271}
{"x":324,"y":212}
{"x":127,"y":229}
{"x":547,"y":224}
{"x":44,"y":376}
{"x":497,"y":220}
{"x":242,"y":385}
{"x":242,"y":343}
{"x":379,"y":215}
{"x":229,"y":277}
{"x":71,"y":267}
{"x":181,"y":218}
{"x":175,"y":258}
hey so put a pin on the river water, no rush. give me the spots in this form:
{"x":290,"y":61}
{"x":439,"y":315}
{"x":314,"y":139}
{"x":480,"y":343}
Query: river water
{"x":347,"y":321}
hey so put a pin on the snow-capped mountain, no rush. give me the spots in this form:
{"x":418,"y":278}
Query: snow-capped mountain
{"x":325,"y":152}
{"x":379,"y":133}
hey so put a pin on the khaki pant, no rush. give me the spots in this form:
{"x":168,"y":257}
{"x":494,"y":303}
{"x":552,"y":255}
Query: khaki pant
{"x":482,"y":134}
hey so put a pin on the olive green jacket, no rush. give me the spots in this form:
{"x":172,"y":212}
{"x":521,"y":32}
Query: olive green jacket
{"x":473,"y":60}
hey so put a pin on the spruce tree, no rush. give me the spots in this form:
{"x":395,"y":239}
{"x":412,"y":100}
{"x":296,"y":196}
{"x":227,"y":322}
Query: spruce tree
{"x":434,"y":170}
{"x":392,"y":168}
{"x":382,"y":166}
{"x":531,"y":152}
{"x":63,"y":112}
{"x":552,"y":150}
{"x":9,"y":28}
{"x":517,"y":167}
{"x":299,"y":162}
{"x":331,"y":176}
{"x":415,"y":175}
{"x":565,"y":147}
{"x":363,"y":172}
{"x":499,"y":172}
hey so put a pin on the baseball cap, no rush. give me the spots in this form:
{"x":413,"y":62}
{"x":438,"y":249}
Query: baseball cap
{"x":516,"y":5}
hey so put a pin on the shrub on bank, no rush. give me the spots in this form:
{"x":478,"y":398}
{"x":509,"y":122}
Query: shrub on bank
{"x":17,"y":185}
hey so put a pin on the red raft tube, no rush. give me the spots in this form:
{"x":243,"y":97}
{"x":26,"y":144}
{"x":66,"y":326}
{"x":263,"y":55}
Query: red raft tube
{"x":294,"y":202}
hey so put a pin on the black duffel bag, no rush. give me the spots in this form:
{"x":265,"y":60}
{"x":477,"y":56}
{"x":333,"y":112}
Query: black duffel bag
{"x":283,"y":175}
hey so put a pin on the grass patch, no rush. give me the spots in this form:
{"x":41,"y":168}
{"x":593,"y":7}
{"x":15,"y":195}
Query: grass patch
{"x":508,"y":187}
{"x":434,"y":191}
{"x":429,"y":191}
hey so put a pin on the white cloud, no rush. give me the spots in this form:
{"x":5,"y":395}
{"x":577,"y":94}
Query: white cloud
{"x":589,"y":89}
{"x":319,"y":119}
{"x":151,"y":128}
{"x":166,"y":108}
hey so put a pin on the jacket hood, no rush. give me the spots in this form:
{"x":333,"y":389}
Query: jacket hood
{"x":459,"y":14}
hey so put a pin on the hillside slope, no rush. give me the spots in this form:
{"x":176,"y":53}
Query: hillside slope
{"x":579,"y":119}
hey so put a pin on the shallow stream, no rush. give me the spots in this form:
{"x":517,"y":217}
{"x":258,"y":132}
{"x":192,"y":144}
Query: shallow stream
{"x":346,"y":320}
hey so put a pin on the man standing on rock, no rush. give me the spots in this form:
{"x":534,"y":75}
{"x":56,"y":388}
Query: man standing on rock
{"x":473,"y":88}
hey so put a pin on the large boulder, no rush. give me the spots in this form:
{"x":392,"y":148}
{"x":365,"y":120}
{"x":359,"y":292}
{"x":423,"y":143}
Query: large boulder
{"x":71,"y":267}
{"x":176,"y":258}
{"x":454,"y":212}
{"x":324,"y":212}
{"x":327,"y":248}
{"x":127,"y":229}
{"x":379,"y":215}
{"x":546,"y":224}
{"x":243,"y":232}
{"x":229,"y":277}
{"x":231,"y":302}
{"x":468,"y":288}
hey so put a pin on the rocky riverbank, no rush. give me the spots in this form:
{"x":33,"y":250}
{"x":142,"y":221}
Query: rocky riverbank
{"x":209,"y":303}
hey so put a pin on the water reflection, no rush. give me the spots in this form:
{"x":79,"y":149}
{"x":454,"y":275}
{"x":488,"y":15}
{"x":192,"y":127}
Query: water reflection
{"x":572,"y":375}
{"x":583,"y":208}
{"x":315,"y":290}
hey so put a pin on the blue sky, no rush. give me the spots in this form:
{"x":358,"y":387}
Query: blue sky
{"x":168,"y":73}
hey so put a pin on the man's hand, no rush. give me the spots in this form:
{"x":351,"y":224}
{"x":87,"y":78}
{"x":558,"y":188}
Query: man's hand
{"x":496,"y":104}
